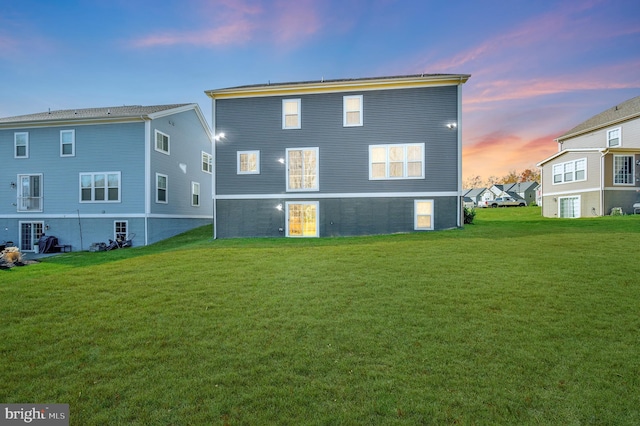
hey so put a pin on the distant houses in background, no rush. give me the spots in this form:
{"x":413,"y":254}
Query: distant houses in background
{"x":527,"y":191}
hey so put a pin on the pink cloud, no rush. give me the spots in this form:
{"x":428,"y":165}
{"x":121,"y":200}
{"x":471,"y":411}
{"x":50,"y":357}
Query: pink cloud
{"x":490,"y":91}
{"x":239,"y":22}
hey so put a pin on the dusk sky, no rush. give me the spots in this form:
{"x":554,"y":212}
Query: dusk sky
{"x":538,"y":68}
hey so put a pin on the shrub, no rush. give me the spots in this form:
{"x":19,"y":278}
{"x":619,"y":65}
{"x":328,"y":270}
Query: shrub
{"x":469,"y":214}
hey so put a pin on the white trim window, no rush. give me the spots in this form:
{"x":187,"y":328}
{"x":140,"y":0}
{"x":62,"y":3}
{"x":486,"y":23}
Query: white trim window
{"x":570,"y":171}
{"x":623,"y":170}
{"x":21,"y":145}
{"x":352,"y":111}
{"x":423,"y":211}
{"x":120,"y":230}
{"x":67,"y":143}
{"x":302,"y":169}
{"x":100,"y":187}
{"x":396,"y":161}
{"x":207,"y":162}
{"x":302,"y":219}
{"x":162,"y":188}
{"x":29,"y":193}
{"x":162,"y":142}
{"x":195,"y":194}
{"x":614,"y":137}
{"x":291,"y":114}
{"x":248,"y":162}
{"x":569,"y":207}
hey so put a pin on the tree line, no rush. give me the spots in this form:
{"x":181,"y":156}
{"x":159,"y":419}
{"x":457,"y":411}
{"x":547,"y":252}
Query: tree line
{"x":513,"y":176}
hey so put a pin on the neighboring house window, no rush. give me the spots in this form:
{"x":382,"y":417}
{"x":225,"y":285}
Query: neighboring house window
{"x":67,"y":143}
{"x":623,"y":169}
{"x":195,"y":194}
{"x":614,"y":137}
{"x":423,"y":210}
{"x":207,"y":162}
{"x":302,"y":169}
{"x":569,"y":207}
{"x":162,"y":186}
{"x":302,"y":219}
{"x":21,"y":145}
{"x":29,"y":193}
{"x":570,"y":171}
{"x":101,"y":187}
{"x":248,"y":162}
{"x":291,"y":118}
{"x":401,"y":161}
{"x":120,"y":230}
{"x":162,"y":142}
{"x":352,"y":111}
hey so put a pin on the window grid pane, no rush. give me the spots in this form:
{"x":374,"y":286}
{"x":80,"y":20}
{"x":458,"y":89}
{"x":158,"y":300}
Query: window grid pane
{"x":396,"y":161}
{"x":623,"y":169}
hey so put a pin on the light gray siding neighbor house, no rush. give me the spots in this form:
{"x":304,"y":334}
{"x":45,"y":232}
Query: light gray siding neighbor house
{"x":338,"y":157}
{"x":597,"y":167}
{"x":88,"y":175}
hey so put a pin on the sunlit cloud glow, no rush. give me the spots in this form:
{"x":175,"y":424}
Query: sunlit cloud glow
{"x":241,"y":22}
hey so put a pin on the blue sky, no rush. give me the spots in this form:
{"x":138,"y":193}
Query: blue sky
{"x":538,"y":67}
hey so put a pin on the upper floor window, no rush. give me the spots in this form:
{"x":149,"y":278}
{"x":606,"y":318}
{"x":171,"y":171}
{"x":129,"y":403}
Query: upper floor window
{"x":67,"y":143}
{"x":352,"y":111}
{"x":207,"y":162}
{"x":570,"y":171}
{"x":302,"y":169}
{"x":623,"y":169}
{"x":614,"y":137}
{"x":291,"y":113}
{"x":398,"y":161}
{"x":162,"y":142}
{"x":101,"y":187}
{"x":195,"y":194}
{"x":162,"y":188}
{"x":30,"y":193}
{"x":248,"y":162}
{"x":21,"y":145}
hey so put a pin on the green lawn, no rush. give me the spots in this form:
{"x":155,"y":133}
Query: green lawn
{"x":515,"y":319}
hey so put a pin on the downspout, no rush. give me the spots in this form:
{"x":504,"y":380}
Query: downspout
{"x":147,"y":178}
{"x":541,"y":192}
{"x":602,"y":155}
{"x":459,"y":142}
{"x":215,"y":168}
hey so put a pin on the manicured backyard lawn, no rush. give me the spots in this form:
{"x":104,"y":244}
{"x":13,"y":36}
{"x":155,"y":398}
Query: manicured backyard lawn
{"x":515,"y":319}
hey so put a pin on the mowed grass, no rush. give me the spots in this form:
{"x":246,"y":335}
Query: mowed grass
{"x":515,"y":319}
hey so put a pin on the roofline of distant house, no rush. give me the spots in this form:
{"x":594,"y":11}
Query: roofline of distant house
{"x":565,"y":137}
{"x":106,"y":119}
{"x":328,"y":86}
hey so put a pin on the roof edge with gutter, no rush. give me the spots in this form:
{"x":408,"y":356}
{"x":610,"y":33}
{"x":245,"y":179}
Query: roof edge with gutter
{"x":565,"y":137}
{"x":329,"y":86}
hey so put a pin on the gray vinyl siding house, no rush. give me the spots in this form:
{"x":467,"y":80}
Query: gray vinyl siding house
{"x":338,"y":158}
{"x":597,"y":167}
{"x":89,"y":175}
